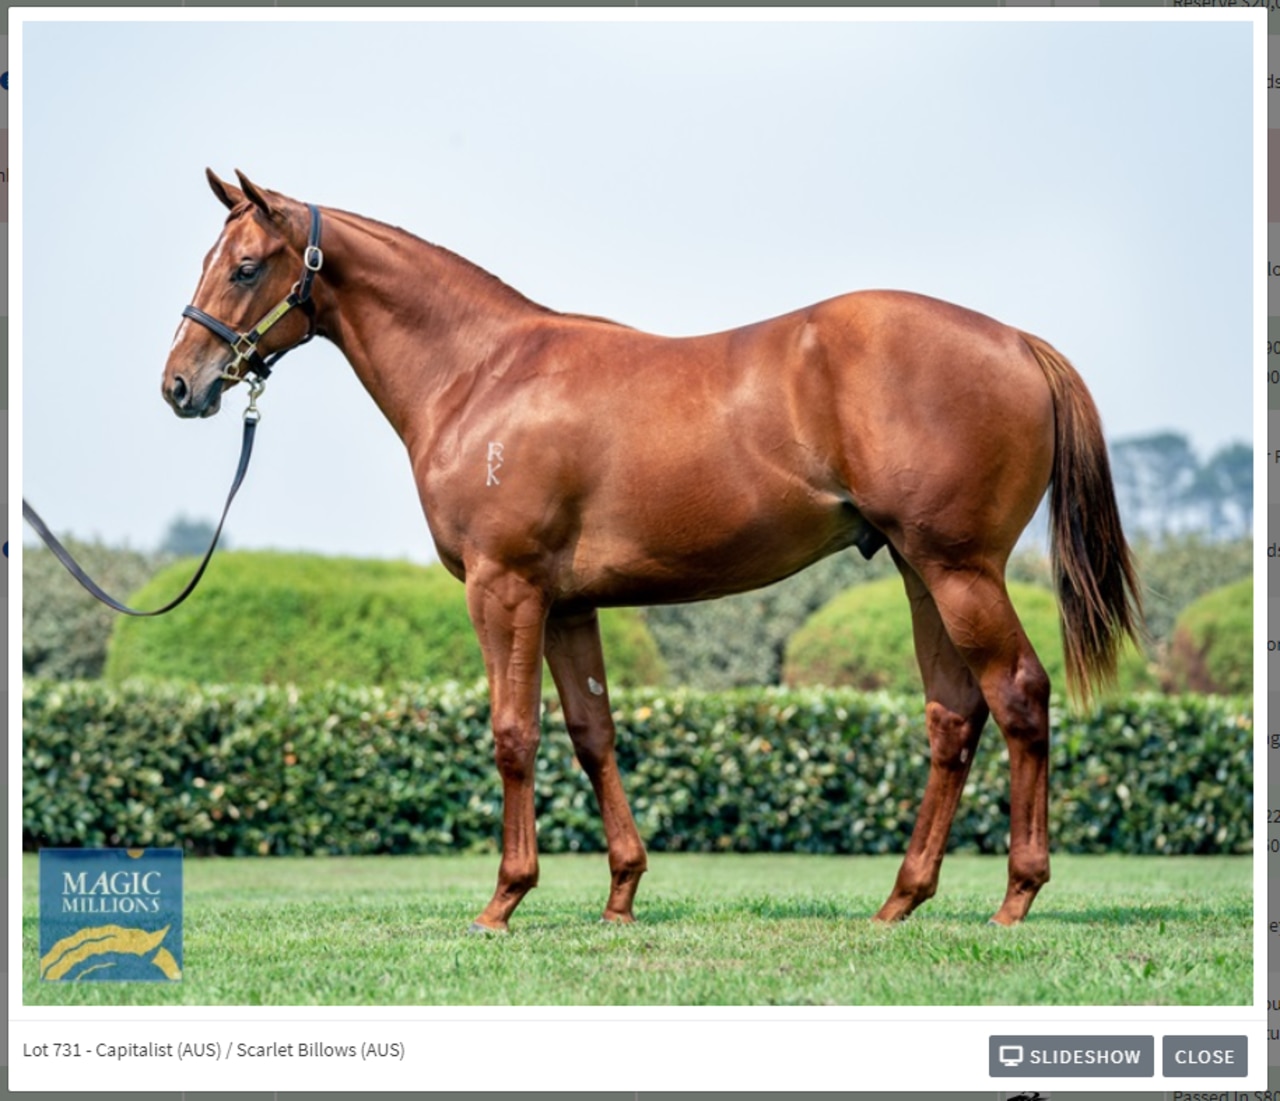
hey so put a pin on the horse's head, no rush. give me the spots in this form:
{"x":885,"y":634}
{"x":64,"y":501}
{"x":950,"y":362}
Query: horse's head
{"x":242,"y":312}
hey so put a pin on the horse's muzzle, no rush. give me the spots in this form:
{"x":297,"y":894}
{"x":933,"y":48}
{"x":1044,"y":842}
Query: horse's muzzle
{"x":182,"y":397}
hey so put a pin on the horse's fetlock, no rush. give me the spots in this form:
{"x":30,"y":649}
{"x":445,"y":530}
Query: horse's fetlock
{"x":916,"y":882}
{"x":629,"y":865}
{"x":518,"y":881}
{"x":1029,"y":875}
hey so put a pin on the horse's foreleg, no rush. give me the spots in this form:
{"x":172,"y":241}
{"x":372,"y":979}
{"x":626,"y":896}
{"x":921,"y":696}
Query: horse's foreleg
{"x":982,"y":623}
{"x":509,"y":616}
{"x":955,"y":714}
{"x":577,"y":664}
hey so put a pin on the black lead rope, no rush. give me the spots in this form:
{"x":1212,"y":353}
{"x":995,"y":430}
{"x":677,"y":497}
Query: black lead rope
{"x":64,"y":556}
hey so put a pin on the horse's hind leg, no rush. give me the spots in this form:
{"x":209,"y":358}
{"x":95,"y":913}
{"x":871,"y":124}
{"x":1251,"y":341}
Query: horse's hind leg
{"x":577,"y":664}
{"x":981,"y":622}
{"x":955,"y":713}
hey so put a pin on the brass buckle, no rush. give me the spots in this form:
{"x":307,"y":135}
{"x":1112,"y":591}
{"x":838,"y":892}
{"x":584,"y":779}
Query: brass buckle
{"x":256,"y":385}
{"x":242,"y":349}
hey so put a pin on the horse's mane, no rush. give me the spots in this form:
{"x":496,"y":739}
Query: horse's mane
{"x":471,"y":270}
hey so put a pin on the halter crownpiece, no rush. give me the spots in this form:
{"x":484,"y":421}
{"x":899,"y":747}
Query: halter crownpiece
{"x":248,"y":359}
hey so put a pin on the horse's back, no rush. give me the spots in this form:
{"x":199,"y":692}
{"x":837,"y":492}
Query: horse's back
{"x":652,"y":468}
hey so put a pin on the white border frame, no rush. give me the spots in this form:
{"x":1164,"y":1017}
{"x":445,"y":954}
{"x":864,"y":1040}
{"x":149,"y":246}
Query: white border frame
{"x":941,"y":1049}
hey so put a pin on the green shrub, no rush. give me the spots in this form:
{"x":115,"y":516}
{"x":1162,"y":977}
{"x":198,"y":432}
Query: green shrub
{"x":1212,"y":645}
{"x":1179,"y":569}
{"x":304,"y":619}
{"x":862,"y":639}
{"x":257,"y":770}
{"x":64,"y":629}
{"x":740,"y":641}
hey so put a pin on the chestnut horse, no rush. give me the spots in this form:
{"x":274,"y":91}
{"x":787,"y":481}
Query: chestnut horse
{"x":567,"y":463}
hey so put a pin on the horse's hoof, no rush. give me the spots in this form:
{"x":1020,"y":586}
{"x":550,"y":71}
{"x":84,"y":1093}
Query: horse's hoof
{"x":894,"y":917}
{"x":476,"y":929}
{"x":617,"y":919}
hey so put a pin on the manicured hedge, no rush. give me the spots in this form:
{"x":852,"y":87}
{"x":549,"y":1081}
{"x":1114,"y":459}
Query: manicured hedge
{"x":1212,"y":645}
{"x":863,"y":639}
{"x":262,"y":770}
{"x":306,"y":619}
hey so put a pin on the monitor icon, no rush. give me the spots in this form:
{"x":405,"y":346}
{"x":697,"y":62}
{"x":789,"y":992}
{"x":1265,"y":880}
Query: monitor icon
{"x":1011,"y":1055}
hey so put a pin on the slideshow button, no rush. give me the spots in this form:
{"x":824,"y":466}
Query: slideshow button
{"x":1206,"y":1056}
{"x":1071,"y":1056}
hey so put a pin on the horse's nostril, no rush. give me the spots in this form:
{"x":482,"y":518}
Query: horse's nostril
{"x":179,"y":389}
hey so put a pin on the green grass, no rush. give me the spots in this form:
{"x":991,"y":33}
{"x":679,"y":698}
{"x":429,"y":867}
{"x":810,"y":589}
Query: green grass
{"x":713,"y":930}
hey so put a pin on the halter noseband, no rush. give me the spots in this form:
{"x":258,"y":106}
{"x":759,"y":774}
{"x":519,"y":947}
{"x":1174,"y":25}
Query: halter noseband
{"x":248,"y":360}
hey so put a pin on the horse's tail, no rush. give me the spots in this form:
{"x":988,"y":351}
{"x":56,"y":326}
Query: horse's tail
{"x":1098,"y":593}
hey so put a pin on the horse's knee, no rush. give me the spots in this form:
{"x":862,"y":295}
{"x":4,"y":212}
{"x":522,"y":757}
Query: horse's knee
{"x":953,"y":737}
{"x":515,"y":748}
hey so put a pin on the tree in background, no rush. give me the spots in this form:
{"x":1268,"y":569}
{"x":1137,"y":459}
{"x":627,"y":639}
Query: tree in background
{"x":1164,"y":490}
{"x":190,"y":537}
{"x":1223,"y":492}
{"x":1152,"y":475}
{"x":64,"y":629}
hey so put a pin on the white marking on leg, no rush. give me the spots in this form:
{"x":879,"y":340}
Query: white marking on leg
{"x":493,"y":463}
{"x":964,"y":756}
{"x":595,"y":687}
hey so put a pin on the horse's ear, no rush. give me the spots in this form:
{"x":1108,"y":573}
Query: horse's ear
{"x":228,"y":196}
{"x":254,"y":195}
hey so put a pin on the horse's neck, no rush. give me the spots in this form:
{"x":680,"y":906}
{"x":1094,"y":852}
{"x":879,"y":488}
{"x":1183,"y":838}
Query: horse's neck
{"x":412,"y":318}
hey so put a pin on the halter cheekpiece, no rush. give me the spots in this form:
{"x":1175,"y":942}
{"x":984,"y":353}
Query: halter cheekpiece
{"x":248,"y":359}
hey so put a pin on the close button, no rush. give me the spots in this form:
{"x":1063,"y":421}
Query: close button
{"x":1206,"y":1056}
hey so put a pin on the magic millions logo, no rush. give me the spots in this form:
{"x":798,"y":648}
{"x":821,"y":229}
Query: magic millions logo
{"x":111,"y":915}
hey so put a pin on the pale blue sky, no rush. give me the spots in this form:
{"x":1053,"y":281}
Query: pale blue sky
{"x":1087,"y":182}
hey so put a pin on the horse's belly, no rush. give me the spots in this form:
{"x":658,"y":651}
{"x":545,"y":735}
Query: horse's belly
{"x":699,"y":552}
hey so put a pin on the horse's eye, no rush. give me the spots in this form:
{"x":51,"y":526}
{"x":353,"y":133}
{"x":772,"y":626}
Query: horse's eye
{"x":246,"y":272}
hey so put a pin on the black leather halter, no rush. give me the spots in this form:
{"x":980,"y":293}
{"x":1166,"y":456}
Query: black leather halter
{"x":248,"y":359}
